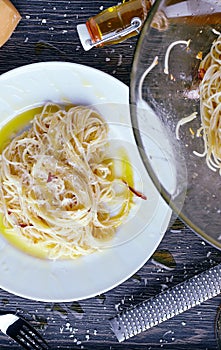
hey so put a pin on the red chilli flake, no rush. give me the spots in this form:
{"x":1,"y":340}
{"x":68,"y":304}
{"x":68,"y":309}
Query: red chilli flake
{"x":51,"y":177}
{"x":137,"y":193}
{"x":22,"y":225}
{"x":201,"y":73}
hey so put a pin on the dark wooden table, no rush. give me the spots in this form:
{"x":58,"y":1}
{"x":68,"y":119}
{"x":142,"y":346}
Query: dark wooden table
{"x":47,"y":32}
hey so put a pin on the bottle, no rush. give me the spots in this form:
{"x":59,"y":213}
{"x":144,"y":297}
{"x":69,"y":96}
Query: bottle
{"x":115,"y":24}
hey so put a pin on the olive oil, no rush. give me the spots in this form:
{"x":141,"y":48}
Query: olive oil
{"x":122,"y":169}
{"x":19,"y":242}
{"x":126,"y":167}
{"x":17,"y":125}
{"x":7,"y":132}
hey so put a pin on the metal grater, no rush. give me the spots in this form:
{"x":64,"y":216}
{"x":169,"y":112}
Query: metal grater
{"x":165,"y":305}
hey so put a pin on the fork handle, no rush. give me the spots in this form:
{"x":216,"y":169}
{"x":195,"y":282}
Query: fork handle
{"x":166,"y":305}
{"x":5,"y":312}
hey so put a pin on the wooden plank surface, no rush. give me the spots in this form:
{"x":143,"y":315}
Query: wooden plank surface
{"x":48,"y":32}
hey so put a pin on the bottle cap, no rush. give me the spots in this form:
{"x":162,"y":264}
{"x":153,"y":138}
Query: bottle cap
{"x":88,"y":44}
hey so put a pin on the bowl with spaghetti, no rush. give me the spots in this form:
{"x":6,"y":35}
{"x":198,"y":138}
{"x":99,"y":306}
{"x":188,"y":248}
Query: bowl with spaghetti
{"x":75,"y":197}
{"x":176,"y":104}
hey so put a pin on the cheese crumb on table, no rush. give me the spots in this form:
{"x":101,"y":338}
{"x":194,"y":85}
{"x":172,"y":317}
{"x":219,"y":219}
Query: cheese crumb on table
{"x":9,"y":19}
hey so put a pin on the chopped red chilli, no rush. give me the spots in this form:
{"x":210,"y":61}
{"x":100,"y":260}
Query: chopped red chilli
{"x":201,"y":73}
{"x":137,"y":193}
{"x":51,"y":177}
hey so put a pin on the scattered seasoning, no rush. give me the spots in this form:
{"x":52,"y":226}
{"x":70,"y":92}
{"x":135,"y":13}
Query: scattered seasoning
{"x":48,"y":308}
{"x":191,"y":131}
{"x":117,"y":307}
{"x":199,"y":56}
{"x":164,"y":287}
{"x":168,"y":333}
{"x":120,"y":60}
{"x":192,"y":94}
{"x":175,"y":231}
{"x":42,"y":322}
{"x":169,"y":279}
{"x":145,"y":281}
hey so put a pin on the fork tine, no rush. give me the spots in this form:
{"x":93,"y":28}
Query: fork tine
{"x":22,"y":332}
{"x":30,"y":341}
{"x":33,"y":338}
{"x":34,"y":335}
{"x":22,"y":343}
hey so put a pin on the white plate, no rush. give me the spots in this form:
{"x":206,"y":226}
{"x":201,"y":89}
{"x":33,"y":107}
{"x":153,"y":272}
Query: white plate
{"x":89,"y":276}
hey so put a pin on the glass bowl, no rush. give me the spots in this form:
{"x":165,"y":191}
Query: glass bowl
{"x":165,"y":109}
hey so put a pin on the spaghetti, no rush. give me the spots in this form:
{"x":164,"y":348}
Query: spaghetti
{"x":210,"y":105}
{"x":57,"y":186}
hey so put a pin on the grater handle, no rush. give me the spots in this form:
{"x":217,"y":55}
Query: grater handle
{"x":166,"y":305}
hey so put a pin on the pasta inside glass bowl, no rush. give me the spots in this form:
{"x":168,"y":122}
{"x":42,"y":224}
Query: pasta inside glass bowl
{"x":176,"y":82}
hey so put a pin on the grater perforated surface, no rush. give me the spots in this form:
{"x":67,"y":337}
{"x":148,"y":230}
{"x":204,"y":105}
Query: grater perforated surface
{"x":167,"y":304}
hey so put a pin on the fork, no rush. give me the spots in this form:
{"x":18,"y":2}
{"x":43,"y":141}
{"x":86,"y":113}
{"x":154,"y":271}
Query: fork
{"x":17,"y":328}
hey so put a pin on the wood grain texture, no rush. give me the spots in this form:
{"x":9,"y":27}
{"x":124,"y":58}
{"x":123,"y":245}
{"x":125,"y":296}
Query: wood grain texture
{"x":47,"y":32}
